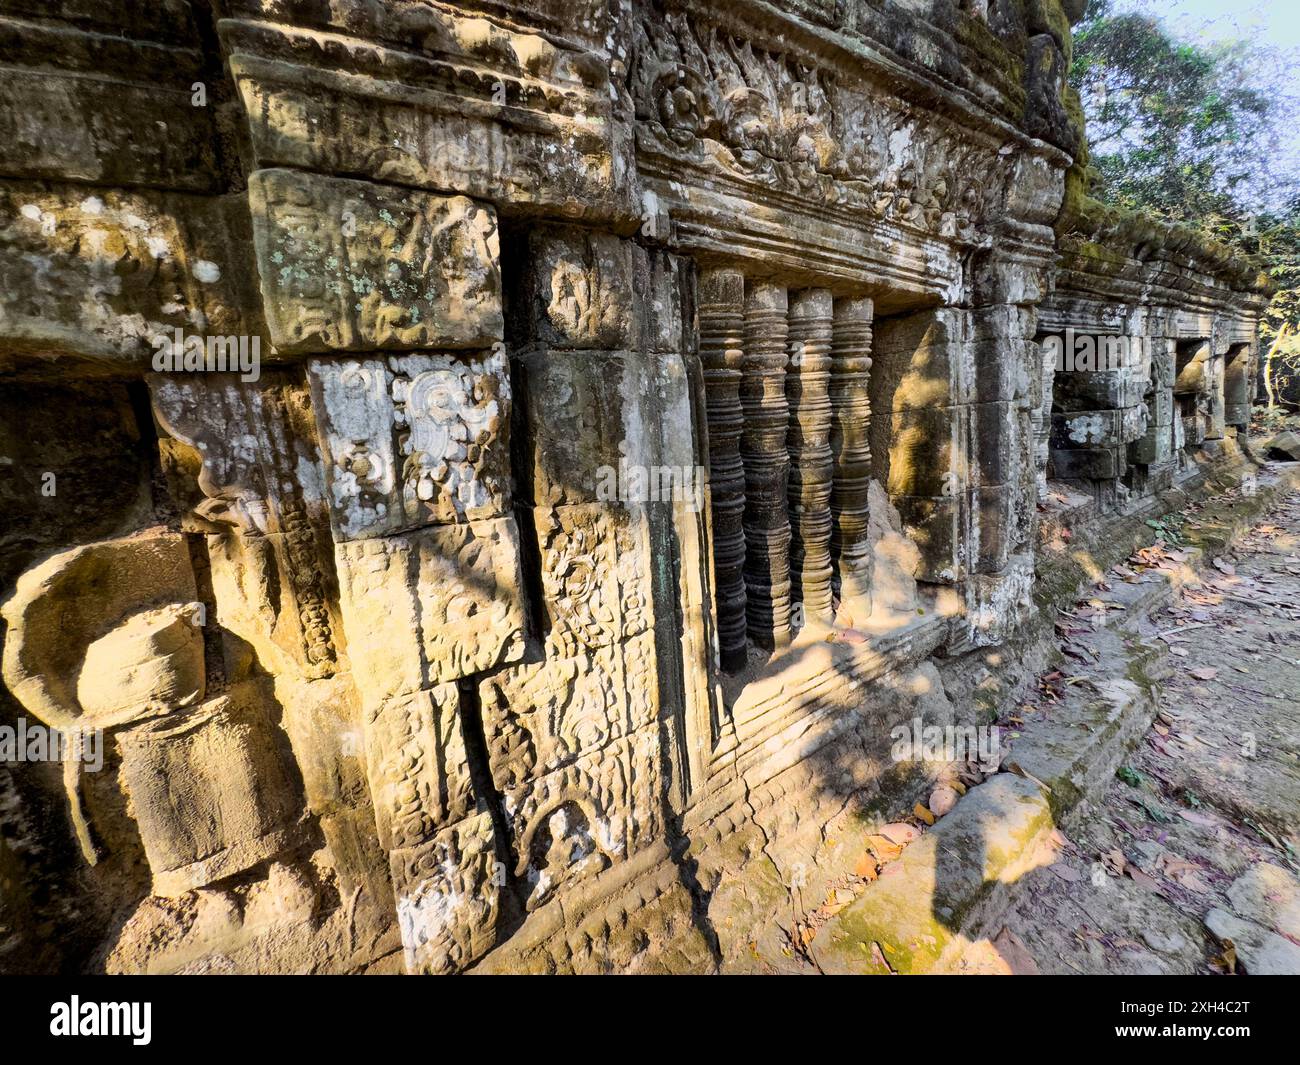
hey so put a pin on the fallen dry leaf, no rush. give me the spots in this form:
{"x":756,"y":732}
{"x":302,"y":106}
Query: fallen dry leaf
{"x":900,"y":832}
{"x":1013,"y":951}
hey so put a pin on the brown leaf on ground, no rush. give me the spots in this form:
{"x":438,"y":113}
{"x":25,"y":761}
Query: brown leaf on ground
{"x":900,"y":832}
{"x":866,"y":867}
{"x":885,"y":850}
{"x":923,"y":813}
{"x":1114,"y":861}
{"x":1013,"y":951}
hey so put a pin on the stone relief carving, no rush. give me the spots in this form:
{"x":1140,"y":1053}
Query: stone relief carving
{"x":707,"y":98}
{"x":433,"y":605}
{"x":419,"y":773}
{"x":260,"y":473}
{"x":539,"y":717}
{"x":350,"y":266}
{"x":595,"y":582}
{"x":105,"y":637}
{"x":413,"y":439}
{"x":525,"y":670}
{"x":448,"y":897}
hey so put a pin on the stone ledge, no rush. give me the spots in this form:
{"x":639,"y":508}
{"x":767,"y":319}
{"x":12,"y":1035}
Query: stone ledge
{"x":945,"y":882}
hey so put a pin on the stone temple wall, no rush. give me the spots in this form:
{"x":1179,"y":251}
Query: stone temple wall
{"x":493,"y":473}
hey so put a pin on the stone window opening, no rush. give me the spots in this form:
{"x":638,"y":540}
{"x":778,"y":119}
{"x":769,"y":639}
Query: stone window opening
{"x":786,"y":374}
{"x":1192,"y":380}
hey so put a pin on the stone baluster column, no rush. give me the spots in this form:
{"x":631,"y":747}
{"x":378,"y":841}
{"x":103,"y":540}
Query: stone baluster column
{"x":851,"y":452}
{"x":721,"y":320}
{"x":767,"y":464}
{"x":809,"y":445}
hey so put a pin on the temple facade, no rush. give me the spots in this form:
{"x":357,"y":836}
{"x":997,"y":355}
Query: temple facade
{"x":492,"y":475}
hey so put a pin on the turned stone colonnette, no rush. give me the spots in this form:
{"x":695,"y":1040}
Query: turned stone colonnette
{"x":786,"y":376}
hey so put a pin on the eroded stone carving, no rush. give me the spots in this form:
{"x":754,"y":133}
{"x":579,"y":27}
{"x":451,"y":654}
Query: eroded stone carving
{"x":264,"y":504}
{"x":448,"y":897}
{"x":427,"y":579}
{"x":352,"y":266}
{"x":208,"y":788}
{"x":433,"y":605}
{"x":594,"y":578}
{"x":540,"y":717}
{"x":413,"y":440}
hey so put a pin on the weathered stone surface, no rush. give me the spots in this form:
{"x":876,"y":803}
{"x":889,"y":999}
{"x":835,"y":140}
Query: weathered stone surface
{"x":576,"y":290}
{"x":413,"y":440}
{"x":1284,"y":446}
{"x":63,"y":606}
{"x":432,"y":98}
{"x":250,"y":476}
{"x":448,"y":897}
{"x":595,"y":574}
{"x":416,"y":762}
{"x":919,"y":912}
{"x":353,"y":266}
{"x":431,"y":606}
{"x":100,"y":273}
{"x":210,"y":793}
{"x":577,"y":821}
{"x":542,"y":716}
{"x":637,"y":396}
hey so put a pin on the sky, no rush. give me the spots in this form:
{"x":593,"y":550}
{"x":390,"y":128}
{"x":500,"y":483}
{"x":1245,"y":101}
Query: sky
{"x":1216,"y":20}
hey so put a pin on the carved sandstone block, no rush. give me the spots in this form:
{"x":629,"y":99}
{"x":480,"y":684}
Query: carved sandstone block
{"x":263,"y":502}
{"x":595,"y":574}
{"x":515,"y":119}
{"x":577,"y":821}
{"x":83,"y":120}
{"x":448,"y":897}
{"x":416,"y":763}
{"x":63,"y":606}
{"x":575,"y":290}
{"x":353,"y":266}
{"x":431,"y":606}
{"x":413,"y":440}
{"x":606,"y":428}
{"x":210,"y":791}
{"x":539,"y":717}
{"x":99,"y":273}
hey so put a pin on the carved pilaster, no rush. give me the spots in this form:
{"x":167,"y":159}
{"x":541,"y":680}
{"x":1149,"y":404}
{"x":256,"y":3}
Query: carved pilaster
{"x":767,"y":464}
{"x":851,"y":450}
{"x":721,"y":316}
{"x":809,"y":445}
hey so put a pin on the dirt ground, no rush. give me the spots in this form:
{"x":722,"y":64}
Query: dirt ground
{"x":1189,"y":862}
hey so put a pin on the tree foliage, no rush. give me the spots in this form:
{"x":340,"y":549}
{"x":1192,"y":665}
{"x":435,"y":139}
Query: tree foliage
{"x":1193,"y":132}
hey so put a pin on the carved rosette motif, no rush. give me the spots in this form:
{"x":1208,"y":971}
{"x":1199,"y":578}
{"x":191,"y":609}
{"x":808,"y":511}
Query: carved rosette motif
{"x":767,"y":464}
{"x":850,"y":446}
{"x":722,"y":318}
{"x":809,"y":444}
